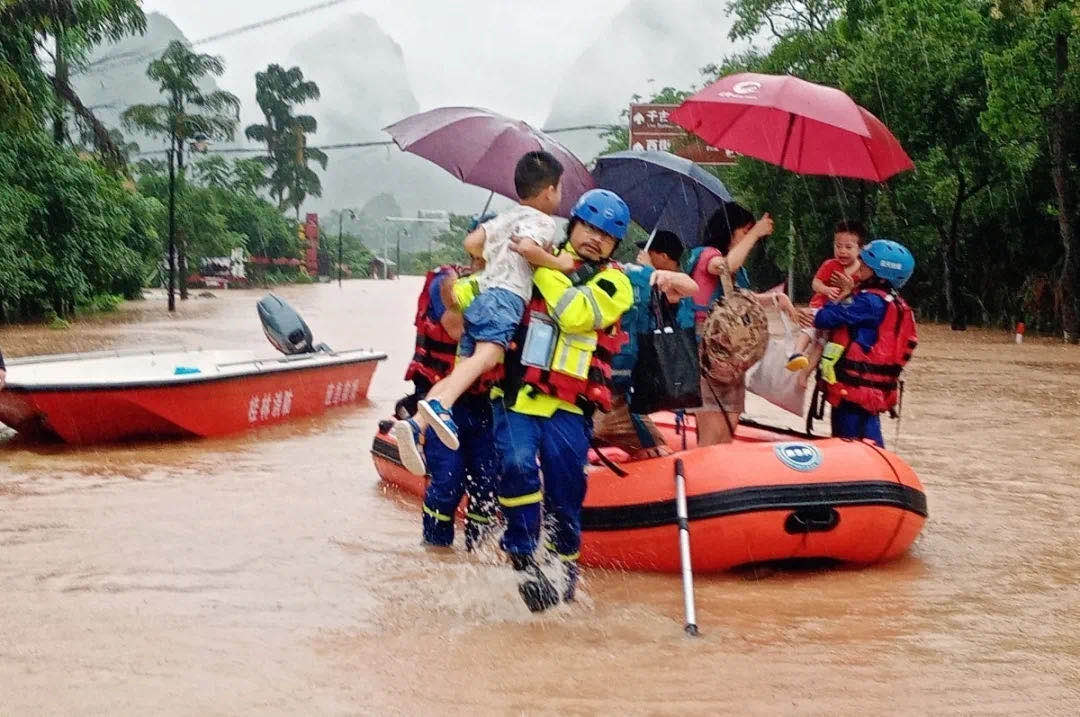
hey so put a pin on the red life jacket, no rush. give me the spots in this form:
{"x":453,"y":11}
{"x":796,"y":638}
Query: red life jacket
{"x":435,"y":351}
{"x":596,"y":389}
{"x":870,"y":379}
{"x":433,"y":356}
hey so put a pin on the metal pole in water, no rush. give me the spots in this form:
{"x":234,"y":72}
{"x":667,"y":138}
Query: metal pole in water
{"x":684,"y":550}
{"x":172,"y":223}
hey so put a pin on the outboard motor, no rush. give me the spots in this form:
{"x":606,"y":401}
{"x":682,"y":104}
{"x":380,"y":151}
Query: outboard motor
{"x":284,"y":327}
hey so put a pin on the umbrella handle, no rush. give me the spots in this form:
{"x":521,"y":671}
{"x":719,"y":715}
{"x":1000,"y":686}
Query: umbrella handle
{"x":487,"y":204}
{"x":651,"y":235}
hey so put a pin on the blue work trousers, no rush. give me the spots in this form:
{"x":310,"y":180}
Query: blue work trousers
{"x":851,"y":421}
{"x":562,"y":444}
{"x":472,"y":469}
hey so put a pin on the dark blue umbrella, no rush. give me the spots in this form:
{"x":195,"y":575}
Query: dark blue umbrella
{"x":663,"y":191}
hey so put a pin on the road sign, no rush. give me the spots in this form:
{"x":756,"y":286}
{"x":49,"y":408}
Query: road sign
{"x":650,"y":129}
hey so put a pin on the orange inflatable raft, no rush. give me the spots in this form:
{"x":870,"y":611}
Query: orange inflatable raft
{"x":770,"y":495}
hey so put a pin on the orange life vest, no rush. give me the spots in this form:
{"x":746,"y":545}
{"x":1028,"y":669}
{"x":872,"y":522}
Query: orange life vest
{"x":871,"y":379}
{"x":433,"y":356}
{"x":436,"y":350}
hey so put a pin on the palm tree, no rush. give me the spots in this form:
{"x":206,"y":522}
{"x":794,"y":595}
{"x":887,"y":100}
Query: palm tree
{"x":188,"y":112}
{"x":278,"y":91}
{"x":302,"y":181}
{"x":214,"y":171}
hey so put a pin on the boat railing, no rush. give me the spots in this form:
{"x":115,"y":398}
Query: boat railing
{"x":301,"y":357}
{"x":90,"y":355}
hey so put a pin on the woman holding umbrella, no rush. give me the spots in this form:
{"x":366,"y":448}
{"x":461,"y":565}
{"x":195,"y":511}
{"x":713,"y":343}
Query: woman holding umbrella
{"x":730,"y":236}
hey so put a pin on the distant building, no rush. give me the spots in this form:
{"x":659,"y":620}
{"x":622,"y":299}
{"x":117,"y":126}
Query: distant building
{"x":382,"y":268}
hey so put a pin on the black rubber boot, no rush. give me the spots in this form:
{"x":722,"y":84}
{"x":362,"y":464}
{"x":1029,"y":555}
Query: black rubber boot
{"x":571,"y":581}
{"x":475,"y":533}
{"x":536,"y":590}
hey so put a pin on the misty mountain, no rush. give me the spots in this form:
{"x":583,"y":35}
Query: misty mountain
{"x":116,"y":77}
{"x":649,"y":45}
{"x":361,"y":74}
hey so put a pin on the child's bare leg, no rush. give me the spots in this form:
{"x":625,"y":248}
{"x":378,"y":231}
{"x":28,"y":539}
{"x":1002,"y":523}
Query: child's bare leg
{"x":797,"y":361}
{"x":802,"y":343}
{"x":440,"y":399}
{"x":466,"y":372}
{"x":814,"y":356}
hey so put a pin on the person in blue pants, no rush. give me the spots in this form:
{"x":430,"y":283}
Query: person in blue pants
{"x":872,"y":337}
{"x":556,"y":377}
{"x":472,"y":469}
{"x":562,"y":443}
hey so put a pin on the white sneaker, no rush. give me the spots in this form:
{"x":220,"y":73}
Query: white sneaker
{"x":407,"y":434}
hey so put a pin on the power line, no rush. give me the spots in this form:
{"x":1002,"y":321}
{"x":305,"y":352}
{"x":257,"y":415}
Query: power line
{"x":354,"y":145}
{"x":262,"y":150}
{"x":123,"y":59}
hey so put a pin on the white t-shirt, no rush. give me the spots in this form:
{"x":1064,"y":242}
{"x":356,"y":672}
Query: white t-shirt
{"x":506,"y":269}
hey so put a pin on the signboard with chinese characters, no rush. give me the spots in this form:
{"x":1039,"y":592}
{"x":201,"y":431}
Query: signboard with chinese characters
{"x":651,"y":130}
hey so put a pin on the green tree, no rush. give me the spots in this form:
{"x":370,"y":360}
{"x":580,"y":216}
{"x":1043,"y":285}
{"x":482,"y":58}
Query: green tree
{"x":69,"y":229}
{"x":278,"y":91}
{"x":1033,"y":107}
{"x":65,"y":31}
{"x":214,"y":171}
{"x":221,"y":211}
{"x":917,"y":65}
{"x":201,"y":215}
{"x":187,"y":113}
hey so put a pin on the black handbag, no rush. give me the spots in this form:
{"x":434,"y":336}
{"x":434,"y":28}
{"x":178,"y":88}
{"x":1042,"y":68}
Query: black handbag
{"x":666,"y":376}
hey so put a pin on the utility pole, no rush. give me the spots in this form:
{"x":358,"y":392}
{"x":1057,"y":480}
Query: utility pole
{"x":409,"y":220}
{"x":406,"y":233}
{"x":172,"y":225}
{"x":340,"y":259}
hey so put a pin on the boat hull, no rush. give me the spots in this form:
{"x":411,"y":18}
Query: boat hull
{"x":765,"y":497}
{"x":201,"y":407}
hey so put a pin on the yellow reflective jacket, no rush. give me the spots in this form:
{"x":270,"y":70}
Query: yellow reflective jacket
{"x":579,"y":311}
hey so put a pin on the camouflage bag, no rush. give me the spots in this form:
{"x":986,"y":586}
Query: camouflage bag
{"x":733,"y":336}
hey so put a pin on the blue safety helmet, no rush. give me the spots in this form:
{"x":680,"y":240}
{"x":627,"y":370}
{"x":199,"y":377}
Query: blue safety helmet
{"x":604,"y":210}
{"x":889,"y":260}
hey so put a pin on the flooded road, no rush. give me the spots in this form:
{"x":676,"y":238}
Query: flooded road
{"x":271,"y":573}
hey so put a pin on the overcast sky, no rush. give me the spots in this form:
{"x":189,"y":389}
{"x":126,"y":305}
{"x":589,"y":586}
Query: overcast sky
{"x":507,"y":55}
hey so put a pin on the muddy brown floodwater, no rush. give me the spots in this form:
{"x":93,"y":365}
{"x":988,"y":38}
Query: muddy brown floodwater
{"x":271,"y":573}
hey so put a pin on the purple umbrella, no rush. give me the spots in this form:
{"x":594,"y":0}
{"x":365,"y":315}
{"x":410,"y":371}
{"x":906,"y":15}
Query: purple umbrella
{"x":481,"y":148}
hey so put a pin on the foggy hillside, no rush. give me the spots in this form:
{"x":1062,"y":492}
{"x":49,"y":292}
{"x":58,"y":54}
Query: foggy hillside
{"x":649,"y":45}
{"x":361,"y":73}
{"x":112,"y":85}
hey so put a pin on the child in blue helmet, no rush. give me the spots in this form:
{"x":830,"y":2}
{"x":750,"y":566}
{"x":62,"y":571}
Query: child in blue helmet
{"x":504,"y":287}
{"x":872,"y":337}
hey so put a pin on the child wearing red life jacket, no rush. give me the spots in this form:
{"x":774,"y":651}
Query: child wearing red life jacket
{"x":872,"y":337}
{"x":833,"y":281}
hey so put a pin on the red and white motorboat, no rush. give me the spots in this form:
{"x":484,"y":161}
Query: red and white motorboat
{"x":119,"y":395}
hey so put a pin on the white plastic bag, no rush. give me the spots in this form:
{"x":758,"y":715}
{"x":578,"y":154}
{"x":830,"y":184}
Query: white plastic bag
{"x":769,"y":377}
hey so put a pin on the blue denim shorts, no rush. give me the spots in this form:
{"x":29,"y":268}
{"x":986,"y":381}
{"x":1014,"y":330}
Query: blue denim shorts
{"x":492,"y":318}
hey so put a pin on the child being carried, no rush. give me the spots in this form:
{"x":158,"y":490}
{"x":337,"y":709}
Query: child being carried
{"x":512,"y":245}
{"x":834,"y":280}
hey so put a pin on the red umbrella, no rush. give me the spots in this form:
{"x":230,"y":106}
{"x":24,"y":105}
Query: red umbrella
{"x":481,"y":148}
{"x":807,"y":128}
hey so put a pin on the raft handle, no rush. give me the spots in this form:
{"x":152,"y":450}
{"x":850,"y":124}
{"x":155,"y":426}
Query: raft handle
{"x":812,"y":519}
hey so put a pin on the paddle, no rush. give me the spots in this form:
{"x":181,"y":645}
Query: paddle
{"x":684,"y":550}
